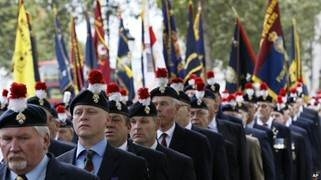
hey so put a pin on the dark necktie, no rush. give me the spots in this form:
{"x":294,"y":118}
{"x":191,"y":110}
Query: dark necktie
{"x":21,"y":177}
{"x":163,"y":137}
{"x":89,"y":165}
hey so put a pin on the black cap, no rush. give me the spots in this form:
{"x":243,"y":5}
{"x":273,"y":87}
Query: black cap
{"x":138,"y":109}
{"x":227,"y":107}
{"x":215,"y":88}
{"x":31,"y":116}
{"x":44,"y":103}
{"x":248,"y":98}
{"x":164,"y":91}
{"x":86,"y":97}
{"x":118,"y":107}
{"x":198,"y":103}
{"x":267,"y":98}
{"x":66,"y":124}
{"x":209,"y":94}
{"x":184,"y":98}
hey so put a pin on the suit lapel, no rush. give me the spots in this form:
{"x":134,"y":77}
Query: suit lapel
{"x":4,"y":172}
{"x":177,"y":141}
{"x":109,"y":163}
{"x":53,"y":170}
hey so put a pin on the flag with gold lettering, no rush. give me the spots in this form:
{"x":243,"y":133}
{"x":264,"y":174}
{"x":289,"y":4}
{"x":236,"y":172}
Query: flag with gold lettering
{"x":270,"y":66}
{"x":23,"y":65}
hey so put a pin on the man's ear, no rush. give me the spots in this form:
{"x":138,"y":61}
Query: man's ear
{"x":46,"y":141}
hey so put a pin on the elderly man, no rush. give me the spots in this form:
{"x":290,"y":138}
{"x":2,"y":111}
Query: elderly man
{"x":65,"y":131}
{"x":90,"y":114}
{"x":56,"y":147}
{"x":117,"y":131}
{"x":200,"y":122}
{"x":175,"y":137}
{"x":144,"y":125}
{"x":24,"y":142}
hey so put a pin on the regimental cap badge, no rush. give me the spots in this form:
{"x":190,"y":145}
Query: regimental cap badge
{"x":200,"y":90}
{"x":177,"y":84}
{"x":18,"y":101}
{"x":62,"y":115}
{"x":114,"y":94}
{"x":144,"y":99}
{"x":162,"y":78}
{"x":96,"y":84}
{"x":211,"y":79}
{"x":41,"y":93}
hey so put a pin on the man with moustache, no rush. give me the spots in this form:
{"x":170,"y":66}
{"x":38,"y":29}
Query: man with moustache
{"x":24,"y":141}
{"x":144,"y":125}
{"x":117,"y":131}
{"x":175,"y":137}
{"x":90,"y":114}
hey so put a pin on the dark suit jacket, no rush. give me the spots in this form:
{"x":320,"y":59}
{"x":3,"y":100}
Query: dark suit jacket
{"x":234,"y":133}
{"x":283,"y":157}
{"x":156,"y":161}
{"x":180,"y":166}
{"x":312,"y":116}
{"x":267,"y":152}
{"x":303,"y":163}
{"x":220,"y":166}
{"x":197,"y":147}
{"x":57,"y":170}
{"x":116,"y":164}
{"x":309,"y":126}
{"x":58,"y":147}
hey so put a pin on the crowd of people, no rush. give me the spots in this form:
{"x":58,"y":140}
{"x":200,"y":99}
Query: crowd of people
{"x":177,"y":131}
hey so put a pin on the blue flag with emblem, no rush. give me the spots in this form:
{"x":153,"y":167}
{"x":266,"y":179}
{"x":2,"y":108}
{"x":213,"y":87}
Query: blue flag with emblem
{"x":242,"y":59}
{"x":124,"y":67}
{"x":65,"y":76}
{"x":270,"y":65}
{"x":195,"y":52}
{"x":171,"y":50}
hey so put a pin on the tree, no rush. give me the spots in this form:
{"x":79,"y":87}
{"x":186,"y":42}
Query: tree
{"x":42,"y":21}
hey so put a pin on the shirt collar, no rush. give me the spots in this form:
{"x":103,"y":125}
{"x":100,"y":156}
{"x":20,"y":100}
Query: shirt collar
{"x":123,"y":146}
{"x":213,"y":124}
{"x":169,"y":132}
{"x":37,"y":173}
{"x":288,"y":122}
{"x":268,"y":122}
{"x":189,"y":126}
{"x":98,"y":148}
{"x":154,"y":145}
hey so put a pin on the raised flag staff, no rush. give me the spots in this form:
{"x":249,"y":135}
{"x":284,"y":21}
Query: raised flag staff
{"x":65,"y":76}
{"x":171,"y":50}
{"x":242,"y":59}
{"x":194,"y":44}
{"x":270,"y":66}
{"x":23,"y":65}
{"x":124,"y":65}
{"x":76,"y":59}
{"x":102,"y":48}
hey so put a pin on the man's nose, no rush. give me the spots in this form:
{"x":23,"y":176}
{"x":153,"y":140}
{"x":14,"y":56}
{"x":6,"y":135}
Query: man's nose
{"x":14,"y":145}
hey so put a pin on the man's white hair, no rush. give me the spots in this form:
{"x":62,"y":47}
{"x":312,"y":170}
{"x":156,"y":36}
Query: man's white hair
{"x":42,"y":130}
